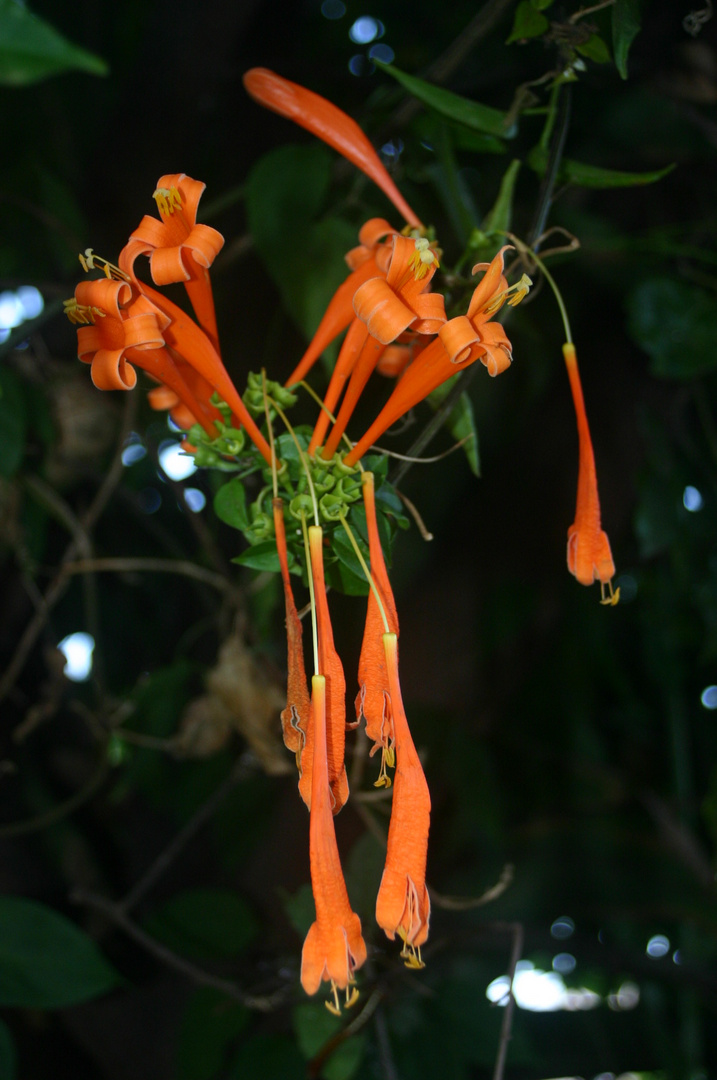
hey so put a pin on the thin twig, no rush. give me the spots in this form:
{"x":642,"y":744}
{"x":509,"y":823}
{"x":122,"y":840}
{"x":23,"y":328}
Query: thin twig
{"x":63,"y":809}
{"x":436,"y":422}
{"x":202,"y":978}
{"x":329,"y":1048}
{"x":413,"y":511}
{"x":506,"y":1026}
{"x":59,"y":583}
{"x":423,"y":460}
{"x":151,"y":565}
{"x":203,"y":815}
{"x":467,"y":903}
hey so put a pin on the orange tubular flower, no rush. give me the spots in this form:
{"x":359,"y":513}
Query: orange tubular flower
{"x":123,"y":329}
{"x":403,"y":905}
{"x":331,"y":668}
{"x":589,"y":555}
{"x":366,"y":261}
{"x":179,"y":249}
{"x":388,"y":307}
{"x":373,"y":701}
{"x":460,"y":342}
{"x":329,"y":123}
{"x":334,"y":947}
{"x":295,"y":717}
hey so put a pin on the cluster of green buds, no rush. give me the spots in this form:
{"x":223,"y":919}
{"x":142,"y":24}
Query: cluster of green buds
{"x":223,"y":451}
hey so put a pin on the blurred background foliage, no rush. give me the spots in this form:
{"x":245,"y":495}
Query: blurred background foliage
{"x":154,"y":852}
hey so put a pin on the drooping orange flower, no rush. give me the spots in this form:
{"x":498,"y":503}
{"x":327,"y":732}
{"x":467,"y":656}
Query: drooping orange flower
{"x":403,"y":905}
{"x":178,"y":248}
{"x":295,"y":717}
{"x":373,"y":701}
{"x":120,"y":329}
{"x":334,"y":947}
{"x":388,"y":307}
{"x":331,"y":668}
{"x":589,"y":555}
{"x":329,"y":123}
{"x":460,"y":342}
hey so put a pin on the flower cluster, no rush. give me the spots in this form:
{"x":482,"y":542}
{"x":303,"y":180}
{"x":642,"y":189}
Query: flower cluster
{"x":315,"y":478}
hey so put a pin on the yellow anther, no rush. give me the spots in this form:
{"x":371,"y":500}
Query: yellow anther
{"x":411,"y":954}
{"x":334,"y":1006}
{"x":90,"y":261}
{"x":423,"y":258}
{"x":388,"y":759}
{"x":81,"y":314}
{"x":352,"y":997}
{"x":520,"y":290}
{"x":612,"y":596}
{"x":168,"y":200}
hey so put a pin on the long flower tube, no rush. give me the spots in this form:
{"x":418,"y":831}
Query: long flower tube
{"x":191,"y":342}
{"x":589,"y":555}
{"x":331,"y":668}
{"x":349,"y":353}
{"x":389,"y":306}
{"x":329,"y":123}
{"x":334,"y":947}
{"x":295,"y":716}
{"x":460,"y":342}
{"x":179,"y":249}
{"x":403,"y":905}
{"x":368,"y":260}
{"x":373,"y":701}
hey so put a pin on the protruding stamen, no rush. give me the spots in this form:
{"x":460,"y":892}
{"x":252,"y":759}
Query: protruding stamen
{"x":168,"y":200}
{"x":352,"y":996}
{"x":388,"y":761}
{"x":411,"y":954}
{"x":609,"y":595}
{"x":90,"y":261}
{"x":423,"y":258}
{"x":334,"y":1006}
{"x":81,"y":314}
{"x":512,"y":295}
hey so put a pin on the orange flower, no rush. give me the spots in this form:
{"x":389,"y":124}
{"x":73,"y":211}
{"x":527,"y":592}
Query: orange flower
{"x":295,"y":717}
{"x":460,"y":342}
{"x":179,"y":249}
{"x":403,"y":905}
{"x":366,"y":261}
{"x":334,"y":947}
{"x":121,"y":329}
{"x":389,"y":306}
{"x":373,"y":702}
{"x":589,"y":555}
{"x":331,"y":668}
{"x":329,"y":123}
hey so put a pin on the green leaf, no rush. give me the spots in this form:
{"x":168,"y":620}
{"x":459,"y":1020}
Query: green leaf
{"x":625,"y":27}
{"x":500,"y":216}
{"x":230,"y":505}
{"x":315,"y":1026}
{"x":592,"y":176}
{"x":528,"y":23}
{"x":595,"y":49}
{"x":541,"y":5}
{"x":285,"y":192}
{"x":471,"y":113}
{"x":31,"y":49}
{"x":13,"y":422}
{"x":8,"y":1056}
{"x":211,"y":1022}
{"x":263,"y":556}
{"x":460,"y":422}
{"x":46,"y":962}
{"x":204,"y":924}
{"x":353,"y":579}
{"x":676,"y":325}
